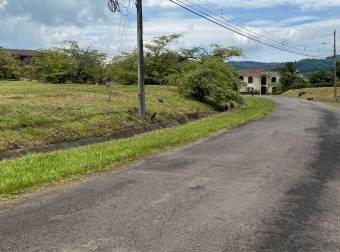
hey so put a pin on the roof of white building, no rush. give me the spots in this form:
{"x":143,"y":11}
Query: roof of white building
{"x":257,"y":72}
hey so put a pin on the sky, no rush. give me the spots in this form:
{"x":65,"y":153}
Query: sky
{"x":39,"y":24}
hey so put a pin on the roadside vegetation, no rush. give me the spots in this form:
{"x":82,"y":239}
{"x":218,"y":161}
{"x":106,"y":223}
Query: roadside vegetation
{"x":34,"y":113}
{"x":322,"y":94}
{"x":214,"y":81}
{"x":292,"y":79}
{"x":37,"y":170}
{"x":70,"y":93}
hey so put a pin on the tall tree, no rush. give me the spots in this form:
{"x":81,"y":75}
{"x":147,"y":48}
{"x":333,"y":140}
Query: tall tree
{"x":291,"y":77}
{"x":160,"y":60}
{"x":338,"y":69}
{"x":87,"y":64}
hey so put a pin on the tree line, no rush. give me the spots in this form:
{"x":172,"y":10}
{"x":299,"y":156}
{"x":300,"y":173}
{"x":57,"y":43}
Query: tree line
{"x":291,"y":78}
{"x":202,"y":73}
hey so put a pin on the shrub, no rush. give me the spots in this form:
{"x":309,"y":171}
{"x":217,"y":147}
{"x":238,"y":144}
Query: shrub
{"x":212,"y":80}
{"x":320,"y":78}
{"x":9,"y":66}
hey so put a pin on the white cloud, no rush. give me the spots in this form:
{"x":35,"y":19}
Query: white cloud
{"x":303,"y":4}
{"x":92,"y":25}
{"x":3,"y":4}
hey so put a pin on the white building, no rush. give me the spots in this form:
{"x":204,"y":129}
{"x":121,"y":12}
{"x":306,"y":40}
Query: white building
{"x":260,"y":81}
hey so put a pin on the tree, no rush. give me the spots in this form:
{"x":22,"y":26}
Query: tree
{"x":291,"y":77}
{"x":225,"y":53}
{"x":69,"y":64}
{"x":87,"y":65}
{"x":123,"y":69}
{"x":320,"y":78}
{"x":52,"y":65}
{"x":338,"y":69}
{"x":9,"y":66}
{"x":160,"y":61}
{"x":163,"y":65}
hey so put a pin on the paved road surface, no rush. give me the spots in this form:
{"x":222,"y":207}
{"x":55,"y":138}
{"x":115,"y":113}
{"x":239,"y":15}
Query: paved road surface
{"x":270,"y":185}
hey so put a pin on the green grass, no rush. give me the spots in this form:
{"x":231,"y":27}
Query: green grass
{"x":33,"y":113}
{"x":34,"y":171}
{"x":325,"y":94}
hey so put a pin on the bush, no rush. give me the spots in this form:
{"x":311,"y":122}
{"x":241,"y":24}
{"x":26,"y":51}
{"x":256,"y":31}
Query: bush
{"x":9,"y":66}
{"x":212,"y":80}
{"x":320,"y":78}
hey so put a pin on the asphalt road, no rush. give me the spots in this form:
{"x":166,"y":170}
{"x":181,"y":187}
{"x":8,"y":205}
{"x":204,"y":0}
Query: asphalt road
{"x":270,"y":185}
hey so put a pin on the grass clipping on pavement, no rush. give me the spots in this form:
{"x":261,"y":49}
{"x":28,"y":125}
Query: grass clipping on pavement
{"x":36,"y":170}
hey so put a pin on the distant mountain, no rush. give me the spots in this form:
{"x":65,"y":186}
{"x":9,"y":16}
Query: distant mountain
{"x":306,"y":66}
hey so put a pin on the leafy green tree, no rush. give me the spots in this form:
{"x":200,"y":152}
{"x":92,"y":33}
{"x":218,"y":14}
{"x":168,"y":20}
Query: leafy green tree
{"x":70,"y":64}
{"x":51,"y":65}
{"x":225,"y":53}
{"x":215,"y":50}
{"x":87,"y":65}
{"x":291,"y":77}
{"x":320,"y":78}
{"x":160,"y":61}
{"x":9,"y":66}
{"x":338,"y":69}
{"x":123,"y":69}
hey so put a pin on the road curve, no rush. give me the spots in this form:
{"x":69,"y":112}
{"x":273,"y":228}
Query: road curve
{"x":269,"y":185}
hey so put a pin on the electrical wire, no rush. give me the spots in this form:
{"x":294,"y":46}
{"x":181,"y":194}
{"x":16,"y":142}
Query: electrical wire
{"x":270,"y":37}
{"x":251,"y":36}
{"x":193,"y":8}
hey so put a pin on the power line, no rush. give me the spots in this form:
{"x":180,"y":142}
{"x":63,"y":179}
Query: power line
{"x":124,"y":32}
{"x":245,"y":34}
{"x":122,"y":9}
{"x":201,"y":13}
{"x":272,"y":37}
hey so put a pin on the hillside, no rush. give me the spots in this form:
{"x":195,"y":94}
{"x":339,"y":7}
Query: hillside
{"x":34,"y":114}
{"x":306,"y":66}
{"x":319,"y":94}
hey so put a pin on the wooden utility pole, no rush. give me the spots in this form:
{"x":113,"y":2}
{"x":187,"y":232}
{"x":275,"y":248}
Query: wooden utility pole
{"x":334,"y":69}
{"x":140,"y":48}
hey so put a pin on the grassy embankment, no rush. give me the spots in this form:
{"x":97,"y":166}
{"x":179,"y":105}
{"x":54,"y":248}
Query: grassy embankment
{"x":33,"y":113}
{"x":37,"y":170}
{"x":325,"y":94}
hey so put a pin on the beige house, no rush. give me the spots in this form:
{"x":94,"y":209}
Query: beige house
{"x":260,"y":81}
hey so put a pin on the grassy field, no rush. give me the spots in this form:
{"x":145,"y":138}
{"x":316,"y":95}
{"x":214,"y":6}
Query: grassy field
{"x":325,"y":94}
{"x":33,"y":113}
{"x":34,"y":171}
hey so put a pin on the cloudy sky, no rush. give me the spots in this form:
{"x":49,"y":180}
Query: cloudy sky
{"x":34,"y":24}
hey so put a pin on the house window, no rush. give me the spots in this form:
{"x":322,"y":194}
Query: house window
{"x":274,"y":80}
{"x":241,"y":78}
{"x":250,"y":79}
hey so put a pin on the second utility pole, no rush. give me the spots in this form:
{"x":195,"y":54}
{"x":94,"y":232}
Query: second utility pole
{"x":140,"y":48}
{"x":334,"y":69}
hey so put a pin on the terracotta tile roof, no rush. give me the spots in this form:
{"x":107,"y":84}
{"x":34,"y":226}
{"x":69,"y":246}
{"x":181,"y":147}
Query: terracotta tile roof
{"x":18,"y":52}
{"x":255,"y":72}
